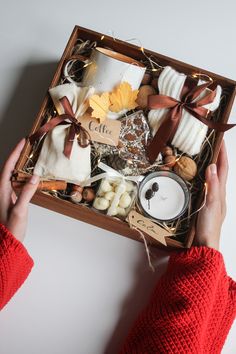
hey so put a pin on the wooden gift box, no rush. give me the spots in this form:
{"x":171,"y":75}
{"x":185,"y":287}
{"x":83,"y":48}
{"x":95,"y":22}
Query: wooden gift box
{"x":81,"y":212}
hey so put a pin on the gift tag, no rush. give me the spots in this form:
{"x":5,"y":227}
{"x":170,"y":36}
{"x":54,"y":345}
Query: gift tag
{"x":144,"y":224}
{"x":106,"y":132}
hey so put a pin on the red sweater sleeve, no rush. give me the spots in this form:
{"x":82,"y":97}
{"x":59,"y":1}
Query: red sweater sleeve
{"x":191,"y":310}
{"x":15,"y":265}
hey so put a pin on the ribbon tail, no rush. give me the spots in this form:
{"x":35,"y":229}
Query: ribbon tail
{"x":83,"y":137}
{"x":196,"y":91}
{"x":69,"y":141}
{"x":209,"y":98}
{"x":164,"y":133}
{"x":220,"y":127}
{"x":66,"y":106}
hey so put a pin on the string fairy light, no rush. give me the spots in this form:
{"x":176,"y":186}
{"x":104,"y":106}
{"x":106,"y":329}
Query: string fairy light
{"x":178,"y":227}
{"x":201,"y":75}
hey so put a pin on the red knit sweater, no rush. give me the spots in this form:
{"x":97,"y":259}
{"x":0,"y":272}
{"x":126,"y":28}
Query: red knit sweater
{"x":15,"y":265}
{"x":191,"y":310}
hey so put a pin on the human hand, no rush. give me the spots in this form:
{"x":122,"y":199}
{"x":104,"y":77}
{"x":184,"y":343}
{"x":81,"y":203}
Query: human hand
{"x":211,"y":216}
{"x":13,"y":209}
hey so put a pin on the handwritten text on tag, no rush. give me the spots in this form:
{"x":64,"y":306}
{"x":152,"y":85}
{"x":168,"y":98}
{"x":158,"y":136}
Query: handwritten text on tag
{"x":147,"y":226}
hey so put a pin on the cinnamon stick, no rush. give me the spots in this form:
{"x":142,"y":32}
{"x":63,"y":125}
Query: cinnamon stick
{"x":43,"y":185}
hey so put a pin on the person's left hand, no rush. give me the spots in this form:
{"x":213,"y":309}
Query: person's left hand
{"x":13,"y":209}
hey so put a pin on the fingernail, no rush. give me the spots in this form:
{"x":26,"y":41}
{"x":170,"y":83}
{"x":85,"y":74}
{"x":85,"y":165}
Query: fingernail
{"x":213,"y":169}
{"x":22,"y":142}
{"x":34,"y":179}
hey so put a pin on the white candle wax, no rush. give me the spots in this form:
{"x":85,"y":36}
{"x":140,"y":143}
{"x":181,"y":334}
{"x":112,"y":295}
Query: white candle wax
{"x":168,"y":202}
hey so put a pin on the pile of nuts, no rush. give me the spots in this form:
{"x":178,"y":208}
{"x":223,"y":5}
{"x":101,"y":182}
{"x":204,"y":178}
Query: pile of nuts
{"x":79,"y":193}
{"x":184,"y":166}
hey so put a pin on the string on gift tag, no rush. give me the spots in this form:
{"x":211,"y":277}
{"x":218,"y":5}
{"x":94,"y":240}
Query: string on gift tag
{"x":145,"y":245}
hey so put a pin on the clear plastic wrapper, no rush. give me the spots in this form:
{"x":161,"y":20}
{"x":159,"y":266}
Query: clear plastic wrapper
{"x":115,"y":196}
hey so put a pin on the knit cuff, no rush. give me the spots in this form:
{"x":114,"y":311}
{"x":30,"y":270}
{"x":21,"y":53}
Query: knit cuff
{"x":8,"y":243}
{"x":197,"y":252}
{"x":202,"y":257}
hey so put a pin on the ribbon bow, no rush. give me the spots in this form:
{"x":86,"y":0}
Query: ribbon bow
{"x":189,"y":102}
{"x":83,"y":136}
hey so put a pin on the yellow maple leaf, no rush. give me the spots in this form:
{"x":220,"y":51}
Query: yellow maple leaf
{"x":100,"y":105}
{"x":123,"y":97}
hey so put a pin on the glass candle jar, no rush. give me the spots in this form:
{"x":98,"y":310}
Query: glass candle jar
{"x":163,"y":196}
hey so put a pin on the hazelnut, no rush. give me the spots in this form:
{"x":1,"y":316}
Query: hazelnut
{"x":77,"y":188}
{"x":170,"y":161}
{"x":186,"y":168}
{"x":146,"y":79}
{"x":76,"y":197}
{"x":88,"y":194}
{"x":167,"y":151}
{"x":154,"y":83}
{"x":144,"y":92}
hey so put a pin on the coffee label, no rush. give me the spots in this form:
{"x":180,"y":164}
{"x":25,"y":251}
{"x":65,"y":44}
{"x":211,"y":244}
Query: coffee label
{"x":106,"y":132}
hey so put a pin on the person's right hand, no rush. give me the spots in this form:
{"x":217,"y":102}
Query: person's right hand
{"x":13,"y":210}
{"x":211,"y":216}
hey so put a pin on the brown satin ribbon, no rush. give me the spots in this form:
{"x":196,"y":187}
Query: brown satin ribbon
{"x":187,"y":101}
{"x":75,"y":128}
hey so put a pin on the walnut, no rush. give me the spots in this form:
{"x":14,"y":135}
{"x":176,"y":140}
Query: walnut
{"x":186,"y":168}
{"x":146,"y":79}
{"x":88,"y":194}
{"x":167,"y":151}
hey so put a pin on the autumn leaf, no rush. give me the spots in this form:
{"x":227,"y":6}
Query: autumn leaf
{"x":123,"y":97}
{"x":100,"y":105}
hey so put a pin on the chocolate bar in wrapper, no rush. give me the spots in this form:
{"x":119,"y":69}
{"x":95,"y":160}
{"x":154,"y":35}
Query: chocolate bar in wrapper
{"x":129,"y":156}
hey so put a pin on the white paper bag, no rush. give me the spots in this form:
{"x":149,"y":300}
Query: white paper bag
{"x":52,"y":163}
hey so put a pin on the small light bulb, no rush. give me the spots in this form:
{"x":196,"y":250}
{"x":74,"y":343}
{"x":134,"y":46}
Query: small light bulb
{"x":87,"y":64}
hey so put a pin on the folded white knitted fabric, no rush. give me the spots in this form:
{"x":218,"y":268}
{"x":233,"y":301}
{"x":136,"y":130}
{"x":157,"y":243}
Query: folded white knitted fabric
{"x":52,"y":163}
{"x":191,"y":132}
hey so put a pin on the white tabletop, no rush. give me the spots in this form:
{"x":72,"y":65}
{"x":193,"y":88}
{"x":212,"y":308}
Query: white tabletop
{"x":87,"y":284}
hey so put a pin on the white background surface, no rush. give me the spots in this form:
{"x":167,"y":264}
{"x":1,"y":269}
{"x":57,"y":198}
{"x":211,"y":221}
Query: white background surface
{"x":88,"y":284}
